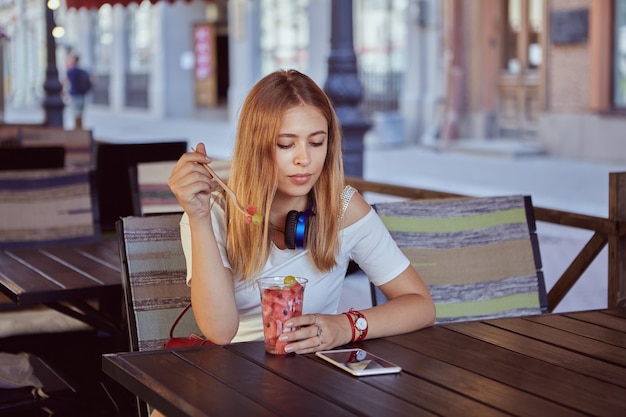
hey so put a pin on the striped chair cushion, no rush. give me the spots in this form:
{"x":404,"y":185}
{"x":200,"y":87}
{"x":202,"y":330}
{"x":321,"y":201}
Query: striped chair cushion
{"x":41,"y":207}
{"x":78,"y":144}
{"x":479,"y":256}
{"x":152,"y":195}
{"x":154,"y":270}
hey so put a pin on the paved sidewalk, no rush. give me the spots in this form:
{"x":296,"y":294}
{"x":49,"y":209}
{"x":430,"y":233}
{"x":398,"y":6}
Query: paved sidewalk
{"x":570,"y":185}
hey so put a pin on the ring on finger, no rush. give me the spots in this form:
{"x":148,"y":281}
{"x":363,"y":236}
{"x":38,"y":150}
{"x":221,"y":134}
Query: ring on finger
{"x":319,"y":331}
{"x":315,"y":320}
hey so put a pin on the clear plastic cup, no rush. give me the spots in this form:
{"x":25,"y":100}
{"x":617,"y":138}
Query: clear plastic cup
{"x":280,"y":301}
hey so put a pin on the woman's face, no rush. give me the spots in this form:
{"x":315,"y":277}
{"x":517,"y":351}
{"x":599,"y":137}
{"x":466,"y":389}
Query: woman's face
{"x":300,"y":150}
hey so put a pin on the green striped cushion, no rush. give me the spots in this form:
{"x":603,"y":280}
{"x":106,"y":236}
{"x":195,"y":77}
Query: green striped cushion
{"x":478,"y":256}
{"x":42,"y":207}
{"x":155,"y":284}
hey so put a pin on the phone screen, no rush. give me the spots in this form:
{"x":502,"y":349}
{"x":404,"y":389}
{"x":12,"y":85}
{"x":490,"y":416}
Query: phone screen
{"x":358,"y":362}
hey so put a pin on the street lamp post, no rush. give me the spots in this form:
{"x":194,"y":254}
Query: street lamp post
{"x":53,"y":102}
{"x":344,"y":88}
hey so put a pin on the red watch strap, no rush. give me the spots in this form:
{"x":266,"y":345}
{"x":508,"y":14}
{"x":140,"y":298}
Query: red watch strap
{"x":349,"y":315}
{"x":364,"y":332}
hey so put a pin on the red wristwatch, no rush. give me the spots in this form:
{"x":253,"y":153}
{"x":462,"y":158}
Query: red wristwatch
{"x":360,"y":324}
{"x":349,"y":316}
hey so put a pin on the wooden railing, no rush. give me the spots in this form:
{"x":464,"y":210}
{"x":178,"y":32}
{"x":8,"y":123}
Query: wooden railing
{"x":610,"y":230}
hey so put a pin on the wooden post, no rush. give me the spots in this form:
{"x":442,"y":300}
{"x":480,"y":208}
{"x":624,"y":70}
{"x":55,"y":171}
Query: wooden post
{"x":617,"y":240}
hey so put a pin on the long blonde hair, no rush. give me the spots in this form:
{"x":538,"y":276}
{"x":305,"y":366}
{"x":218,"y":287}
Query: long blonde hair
{"x":254,"y":174}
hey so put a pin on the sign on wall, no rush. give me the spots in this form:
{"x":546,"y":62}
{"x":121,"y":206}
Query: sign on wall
{"x":569,"y":26}
{"x":205,"y":67}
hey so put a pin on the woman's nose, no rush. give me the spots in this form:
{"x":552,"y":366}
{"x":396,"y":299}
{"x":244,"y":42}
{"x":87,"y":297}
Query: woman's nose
{"x":302,"y":156}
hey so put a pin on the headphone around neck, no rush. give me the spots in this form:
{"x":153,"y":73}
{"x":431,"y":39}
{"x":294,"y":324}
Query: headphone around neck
{"x":296,"y":228}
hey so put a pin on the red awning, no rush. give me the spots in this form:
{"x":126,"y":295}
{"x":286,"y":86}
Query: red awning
{"x":96,"y":4}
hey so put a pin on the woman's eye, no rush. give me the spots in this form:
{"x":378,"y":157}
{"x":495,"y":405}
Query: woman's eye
{"x":317,"y":144}
{"x":283,"y":146}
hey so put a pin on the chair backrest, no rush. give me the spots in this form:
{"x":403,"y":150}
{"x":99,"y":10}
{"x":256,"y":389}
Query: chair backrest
{"x":113,"y":161}
{"x":78,"y":144}
{"x":9,"y":135}
{"x":46,"y":207}
{"x":152,"y":195}
{"x":479,"y":256}
{"x":154,"y":271}
{"x":36,"y":157}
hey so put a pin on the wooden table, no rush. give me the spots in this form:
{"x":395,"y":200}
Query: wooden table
{"x":65,"y":278}
{"x":551,"y":365}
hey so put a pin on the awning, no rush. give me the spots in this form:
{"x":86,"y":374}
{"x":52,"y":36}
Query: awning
{"x":96,"y":4}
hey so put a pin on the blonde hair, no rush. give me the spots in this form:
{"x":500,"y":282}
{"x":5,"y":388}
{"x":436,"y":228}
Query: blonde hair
{"x":254,"y":174}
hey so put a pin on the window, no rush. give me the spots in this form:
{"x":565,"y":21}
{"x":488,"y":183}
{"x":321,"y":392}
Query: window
{"x":284,"y":34}
{"x":619,"y":55}
{"x":104,"y":39}
{"x":140,"y":39}
{"x":522,"y":33}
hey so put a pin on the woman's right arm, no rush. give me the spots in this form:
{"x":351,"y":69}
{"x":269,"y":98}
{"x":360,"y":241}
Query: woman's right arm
{"x":212,"y":287}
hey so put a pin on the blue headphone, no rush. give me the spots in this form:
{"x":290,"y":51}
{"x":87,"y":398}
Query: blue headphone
{"x":296,"y":228}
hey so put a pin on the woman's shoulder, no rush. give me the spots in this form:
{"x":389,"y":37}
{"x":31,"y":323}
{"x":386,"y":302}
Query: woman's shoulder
{"x":355,"y":209}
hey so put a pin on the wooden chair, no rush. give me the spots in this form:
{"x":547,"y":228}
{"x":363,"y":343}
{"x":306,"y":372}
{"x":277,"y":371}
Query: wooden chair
{"x":479,"y":256}
{"x":46,"y":207}
{"x":42,"y":208}
{"x":39,"y":157}
{"x":154,"y":271}
{"x":78,"y":144}
{"x":113,"y":184}
{"x":152,"y":195}
{"x":150,"y":192}
{"x":9,"y":135}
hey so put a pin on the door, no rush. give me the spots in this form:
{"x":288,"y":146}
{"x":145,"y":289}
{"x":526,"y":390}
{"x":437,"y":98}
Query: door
{"x":523,"y":43}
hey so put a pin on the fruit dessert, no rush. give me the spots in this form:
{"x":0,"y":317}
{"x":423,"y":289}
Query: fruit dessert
{"x":279,"y":303}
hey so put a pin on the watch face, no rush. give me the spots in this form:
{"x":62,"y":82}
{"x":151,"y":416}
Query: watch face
{"x":361,"y":323}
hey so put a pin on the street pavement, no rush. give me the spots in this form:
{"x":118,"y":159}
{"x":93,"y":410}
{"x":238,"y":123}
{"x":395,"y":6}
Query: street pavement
{"x":481,"y":168}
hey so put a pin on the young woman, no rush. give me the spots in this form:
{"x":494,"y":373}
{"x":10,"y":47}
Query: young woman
{"x":287,"y":157}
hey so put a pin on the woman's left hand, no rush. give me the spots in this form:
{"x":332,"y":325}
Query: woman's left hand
{"x":316,"y":332}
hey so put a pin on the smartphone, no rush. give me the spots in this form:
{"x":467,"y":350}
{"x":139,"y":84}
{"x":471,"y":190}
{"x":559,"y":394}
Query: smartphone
{"x":358,"y":362}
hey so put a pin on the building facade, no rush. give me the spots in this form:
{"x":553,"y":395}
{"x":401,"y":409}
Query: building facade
{"x":545,"y":72}
{"x":548,"y":72}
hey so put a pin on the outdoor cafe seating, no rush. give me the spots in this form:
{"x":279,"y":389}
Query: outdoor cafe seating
{"x":42,"y":208}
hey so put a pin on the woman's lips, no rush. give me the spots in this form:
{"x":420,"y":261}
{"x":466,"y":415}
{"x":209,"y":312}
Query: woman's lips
{"x":300,"y":179}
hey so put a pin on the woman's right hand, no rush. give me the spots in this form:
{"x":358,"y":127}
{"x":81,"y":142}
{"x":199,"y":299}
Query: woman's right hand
{"x":192,"y":184}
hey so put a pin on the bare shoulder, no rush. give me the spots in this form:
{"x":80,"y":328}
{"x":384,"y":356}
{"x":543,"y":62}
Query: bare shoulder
{"x":356,"y":210}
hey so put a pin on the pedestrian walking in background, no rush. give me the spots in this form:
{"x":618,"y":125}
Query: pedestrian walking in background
{"x":79,"y":85}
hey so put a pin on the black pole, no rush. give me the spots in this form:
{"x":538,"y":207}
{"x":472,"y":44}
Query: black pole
{"x":344,"y":87}
{"x":53,"y":102}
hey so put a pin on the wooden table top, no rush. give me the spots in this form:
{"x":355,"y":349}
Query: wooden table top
{"x":66,"y":278}
{"x":31,"y":276}
{"x":554,"y":364}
